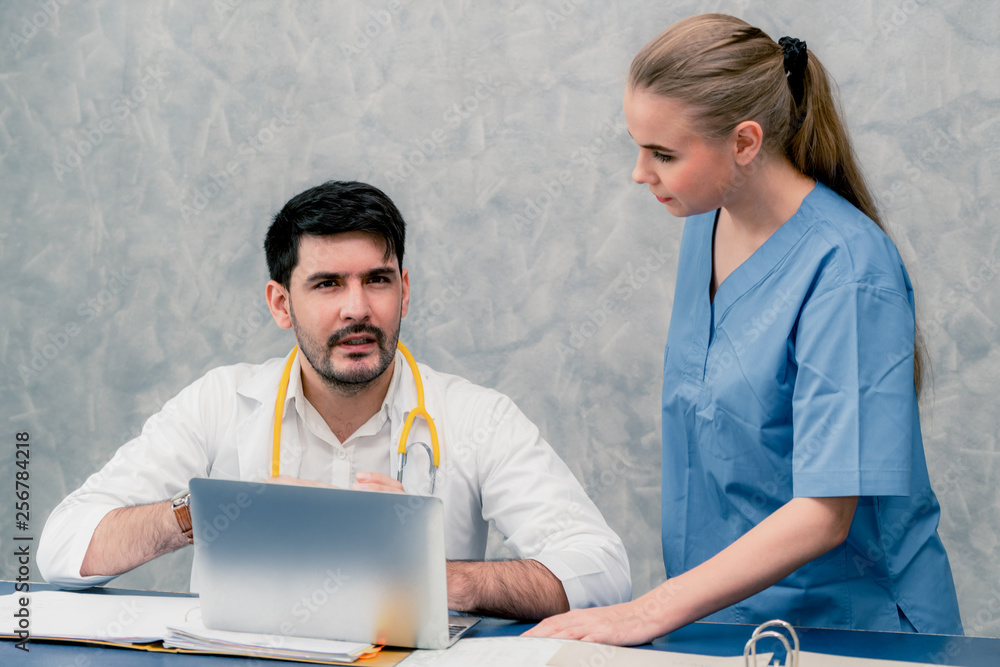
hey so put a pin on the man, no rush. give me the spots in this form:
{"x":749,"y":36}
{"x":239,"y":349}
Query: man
{"x":335,"y":256}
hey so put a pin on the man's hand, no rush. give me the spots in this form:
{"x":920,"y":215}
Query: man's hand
{"x":366,"y":481}
{"x":373,"y":481}
{"x":288,"y":479}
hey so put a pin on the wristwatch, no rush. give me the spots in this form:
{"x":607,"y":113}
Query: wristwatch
{"x":182,"y":512}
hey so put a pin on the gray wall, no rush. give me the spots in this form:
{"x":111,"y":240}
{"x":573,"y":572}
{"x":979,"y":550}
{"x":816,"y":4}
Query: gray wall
{"x":145,"y":145}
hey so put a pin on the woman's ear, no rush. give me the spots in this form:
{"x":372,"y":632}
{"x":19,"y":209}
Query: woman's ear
{"x":749,"y":137}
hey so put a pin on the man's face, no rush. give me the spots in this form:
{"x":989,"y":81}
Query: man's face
{"x":345,"y":301}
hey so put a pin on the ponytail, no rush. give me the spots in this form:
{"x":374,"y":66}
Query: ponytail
{"x":821,"y":149}
{"x":728,"y":71}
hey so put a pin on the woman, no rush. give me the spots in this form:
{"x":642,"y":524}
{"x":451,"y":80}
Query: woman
{"x":794,"y":479}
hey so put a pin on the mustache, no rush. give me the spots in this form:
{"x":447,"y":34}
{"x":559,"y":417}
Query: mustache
{"x":360,"y":328}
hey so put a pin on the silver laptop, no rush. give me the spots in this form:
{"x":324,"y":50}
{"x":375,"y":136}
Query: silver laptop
{"x":317,"y":562}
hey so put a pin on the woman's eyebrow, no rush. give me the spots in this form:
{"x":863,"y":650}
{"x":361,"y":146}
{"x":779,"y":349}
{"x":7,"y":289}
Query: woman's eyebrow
{"x":653,"y":147}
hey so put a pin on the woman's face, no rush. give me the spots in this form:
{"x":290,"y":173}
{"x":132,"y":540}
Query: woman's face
{"x":686,"y":173}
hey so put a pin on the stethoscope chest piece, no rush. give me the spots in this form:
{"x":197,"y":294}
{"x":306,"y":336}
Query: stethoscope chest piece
{"x":403,"y":476}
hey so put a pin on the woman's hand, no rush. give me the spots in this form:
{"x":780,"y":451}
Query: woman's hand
{"x":621,"y":624}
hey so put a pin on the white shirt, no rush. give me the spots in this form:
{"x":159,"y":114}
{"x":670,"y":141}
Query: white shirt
{"x":324,"y":458}
{"x":494,"y":466}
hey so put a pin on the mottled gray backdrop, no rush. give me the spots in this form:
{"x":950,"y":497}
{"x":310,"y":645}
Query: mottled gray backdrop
{"x":146,"y":144}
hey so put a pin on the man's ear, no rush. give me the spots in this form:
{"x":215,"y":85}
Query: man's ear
{"x":279,"y":304}
{"x":406,"y":294}
{"x":749,"y":136}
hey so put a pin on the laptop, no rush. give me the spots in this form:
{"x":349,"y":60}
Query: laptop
{"x":318,"y":562}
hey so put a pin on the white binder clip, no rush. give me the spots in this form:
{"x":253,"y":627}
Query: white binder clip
{"x":791,"y":652}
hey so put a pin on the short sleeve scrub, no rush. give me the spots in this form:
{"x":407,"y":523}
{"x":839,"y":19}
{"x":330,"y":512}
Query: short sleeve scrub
{"x":797,"y":381}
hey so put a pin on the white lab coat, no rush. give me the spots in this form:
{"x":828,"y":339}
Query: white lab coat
{"x":494,"y":466}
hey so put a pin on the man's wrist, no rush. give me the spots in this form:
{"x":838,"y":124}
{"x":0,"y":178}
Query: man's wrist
{"x":460,"y":587}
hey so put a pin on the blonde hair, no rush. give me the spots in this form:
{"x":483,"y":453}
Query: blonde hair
{"x":728,"y":71}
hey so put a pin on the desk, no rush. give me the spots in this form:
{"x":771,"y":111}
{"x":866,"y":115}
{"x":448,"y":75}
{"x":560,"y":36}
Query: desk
{"x":706,"y":638}
{"x":724,"y":639}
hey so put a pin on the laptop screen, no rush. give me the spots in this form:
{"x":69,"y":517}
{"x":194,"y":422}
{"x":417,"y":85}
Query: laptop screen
{"x":321,"y":562}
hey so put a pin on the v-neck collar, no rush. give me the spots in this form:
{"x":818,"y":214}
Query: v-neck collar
{"x":758,"y":265}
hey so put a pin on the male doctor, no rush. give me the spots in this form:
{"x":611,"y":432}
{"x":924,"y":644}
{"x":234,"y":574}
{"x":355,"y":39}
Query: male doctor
{"x":335,"y":256}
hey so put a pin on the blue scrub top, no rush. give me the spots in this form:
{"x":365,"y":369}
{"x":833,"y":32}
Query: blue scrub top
{"x":797,"y":381}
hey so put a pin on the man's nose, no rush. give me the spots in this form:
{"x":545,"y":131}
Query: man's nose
{"x":357,"y":305}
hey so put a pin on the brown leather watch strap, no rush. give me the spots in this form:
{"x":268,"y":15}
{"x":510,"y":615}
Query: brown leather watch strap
{"x":182,"y":512}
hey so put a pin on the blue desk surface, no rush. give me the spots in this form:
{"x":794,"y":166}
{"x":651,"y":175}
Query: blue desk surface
{"x":704,"y":638}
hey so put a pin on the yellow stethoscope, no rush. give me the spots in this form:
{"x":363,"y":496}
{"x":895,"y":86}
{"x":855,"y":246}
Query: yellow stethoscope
{"x":433,"y":452}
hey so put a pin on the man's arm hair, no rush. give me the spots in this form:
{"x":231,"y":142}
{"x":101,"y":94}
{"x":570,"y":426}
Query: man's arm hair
{"x":520,"y":589}
{"x":127,"y":537}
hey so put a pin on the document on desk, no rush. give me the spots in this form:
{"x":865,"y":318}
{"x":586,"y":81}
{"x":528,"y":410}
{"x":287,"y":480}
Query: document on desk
{"x":807,"y":659}
{"x":540,"y":652}
{"x":579,"y":653}
{"x":489,"y":652}
{"x":142,"y":621}
{"x":574,"y":654}
{"x":123,"y":619}
{"x":194,"y":636}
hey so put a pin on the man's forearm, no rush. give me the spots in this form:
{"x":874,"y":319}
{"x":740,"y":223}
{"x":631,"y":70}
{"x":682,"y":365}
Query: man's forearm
{"x":130,"y":536}
{"x":522,"y":589}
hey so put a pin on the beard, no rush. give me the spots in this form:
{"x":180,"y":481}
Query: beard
{"x":350,"y":381}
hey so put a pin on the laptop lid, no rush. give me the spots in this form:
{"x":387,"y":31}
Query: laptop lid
{"x":321,"y":562}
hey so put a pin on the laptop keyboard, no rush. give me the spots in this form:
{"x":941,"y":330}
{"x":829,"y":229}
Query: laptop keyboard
{"x":455,"y":630}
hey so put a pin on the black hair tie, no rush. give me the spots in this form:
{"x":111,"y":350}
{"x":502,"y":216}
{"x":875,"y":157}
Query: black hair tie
{"x":796,"y":59}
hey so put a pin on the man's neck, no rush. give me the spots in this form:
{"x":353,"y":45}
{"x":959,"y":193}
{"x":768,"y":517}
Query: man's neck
{"x":345,"y":413}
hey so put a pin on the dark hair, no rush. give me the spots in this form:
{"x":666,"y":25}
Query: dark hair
{"x":729,"y":71}
{"x":334,"y":207}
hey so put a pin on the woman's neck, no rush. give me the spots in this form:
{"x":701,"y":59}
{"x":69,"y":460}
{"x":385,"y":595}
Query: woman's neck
{"x":772,"y":192}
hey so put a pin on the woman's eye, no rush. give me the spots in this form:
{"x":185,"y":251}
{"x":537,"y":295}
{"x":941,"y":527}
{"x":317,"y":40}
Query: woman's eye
{"x":662,"y":157}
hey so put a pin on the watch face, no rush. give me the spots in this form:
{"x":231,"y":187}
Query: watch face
{"x":182,"y":502}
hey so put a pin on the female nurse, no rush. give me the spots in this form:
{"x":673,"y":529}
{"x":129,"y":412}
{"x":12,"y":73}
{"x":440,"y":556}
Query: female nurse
{"x":794,"y":478}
